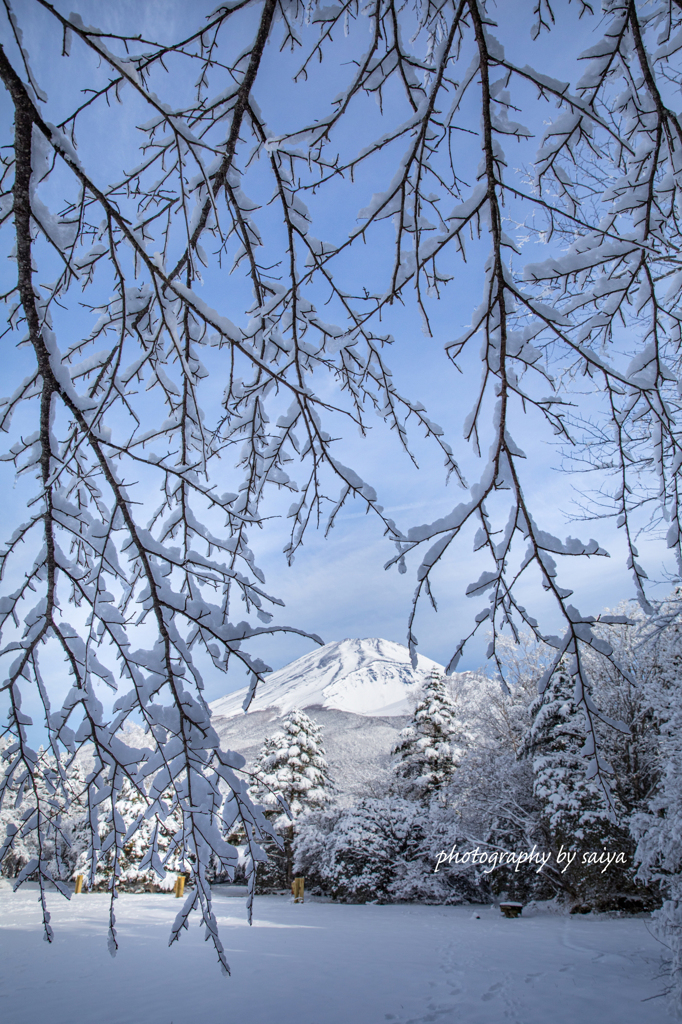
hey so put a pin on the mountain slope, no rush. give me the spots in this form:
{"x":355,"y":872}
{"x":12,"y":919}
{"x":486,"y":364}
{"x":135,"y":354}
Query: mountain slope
{"x":357,"y":747}
{"x":365,"y":677}
{"x":360,"y":692}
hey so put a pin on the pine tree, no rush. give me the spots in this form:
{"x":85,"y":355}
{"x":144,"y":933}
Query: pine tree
{"x":292,"y":766}
{"x":433,"y":744}
{"x":574,"y":812}
{"x":658,"y":828}
{"x":142,"y":861}
{"x":659,"y":850}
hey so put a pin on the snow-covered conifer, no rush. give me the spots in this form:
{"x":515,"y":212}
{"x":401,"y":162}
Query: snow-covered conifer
{"x":292,"y":767}
{"x":149,"y":854}
{"x":658,"y":827}
{"x":432,"y":745}
{"x":574,"y":811}
{"x":572,"y":805}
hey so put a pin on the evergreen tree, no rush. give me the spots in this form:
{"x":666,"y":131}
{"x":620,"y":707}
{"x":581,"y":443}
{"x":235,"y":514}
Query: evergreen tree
{"x":291,"y":766}
{"x":658,"y":828}
{"x":141,"y":856}
{"x":574,"y":812}
{"x":433,"y":744}
{"x":659,"y":850}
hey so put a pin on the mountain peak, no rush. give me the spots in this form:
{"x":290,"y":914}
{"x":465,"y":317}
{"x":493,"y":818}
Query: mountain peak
{"x":366,"y":677}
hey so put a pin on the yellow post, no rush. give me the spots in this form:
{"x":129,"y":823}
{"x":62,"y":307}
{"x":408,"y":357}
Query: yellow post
{"x":297,"y":889}
{"x":180,"y":886}
{"x":79,"y":884}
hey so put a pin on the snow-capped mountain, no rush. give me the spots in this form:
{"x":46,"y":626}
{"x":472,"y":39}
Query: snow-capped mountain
{"x":360,"y":692}
{"x":365,"y":677}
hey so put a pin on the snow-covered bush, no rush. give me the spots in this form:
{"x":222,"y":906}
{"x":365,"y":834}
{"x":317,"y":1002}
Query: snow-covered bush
{"x":492,"y":794}
{"x":382,"y":849}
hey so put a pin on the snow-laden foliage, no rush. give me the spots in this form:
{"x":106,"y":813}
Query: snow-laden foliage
{"x":63,"y":838}
{"x":573,"y":812}
{"x":573,"y":805}
{"x":657,"y":825}
{"x":431,"y":747}
{"x":145,"y":368}
{"x":640,"y":700}
{"x":521,"y":784}
{"x":381,"y":850}
{"x":660,"y":844}
{"x":150,"y":859}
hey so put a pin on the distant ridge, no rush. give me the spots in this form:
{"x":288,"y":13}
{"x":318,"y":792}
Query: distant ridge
{"x":371,"y":677}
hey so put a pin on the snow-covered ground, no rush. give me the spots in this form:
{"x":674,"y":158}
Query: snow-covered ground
{"x":322,"y":963}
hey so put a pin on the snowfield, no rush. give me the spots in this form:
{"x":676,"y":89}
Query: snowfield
{"x":323,"y":963}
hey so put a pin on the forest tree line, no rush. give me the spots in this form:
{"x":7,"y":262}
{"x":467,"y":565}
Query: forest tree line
{"x":481,"y":774}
